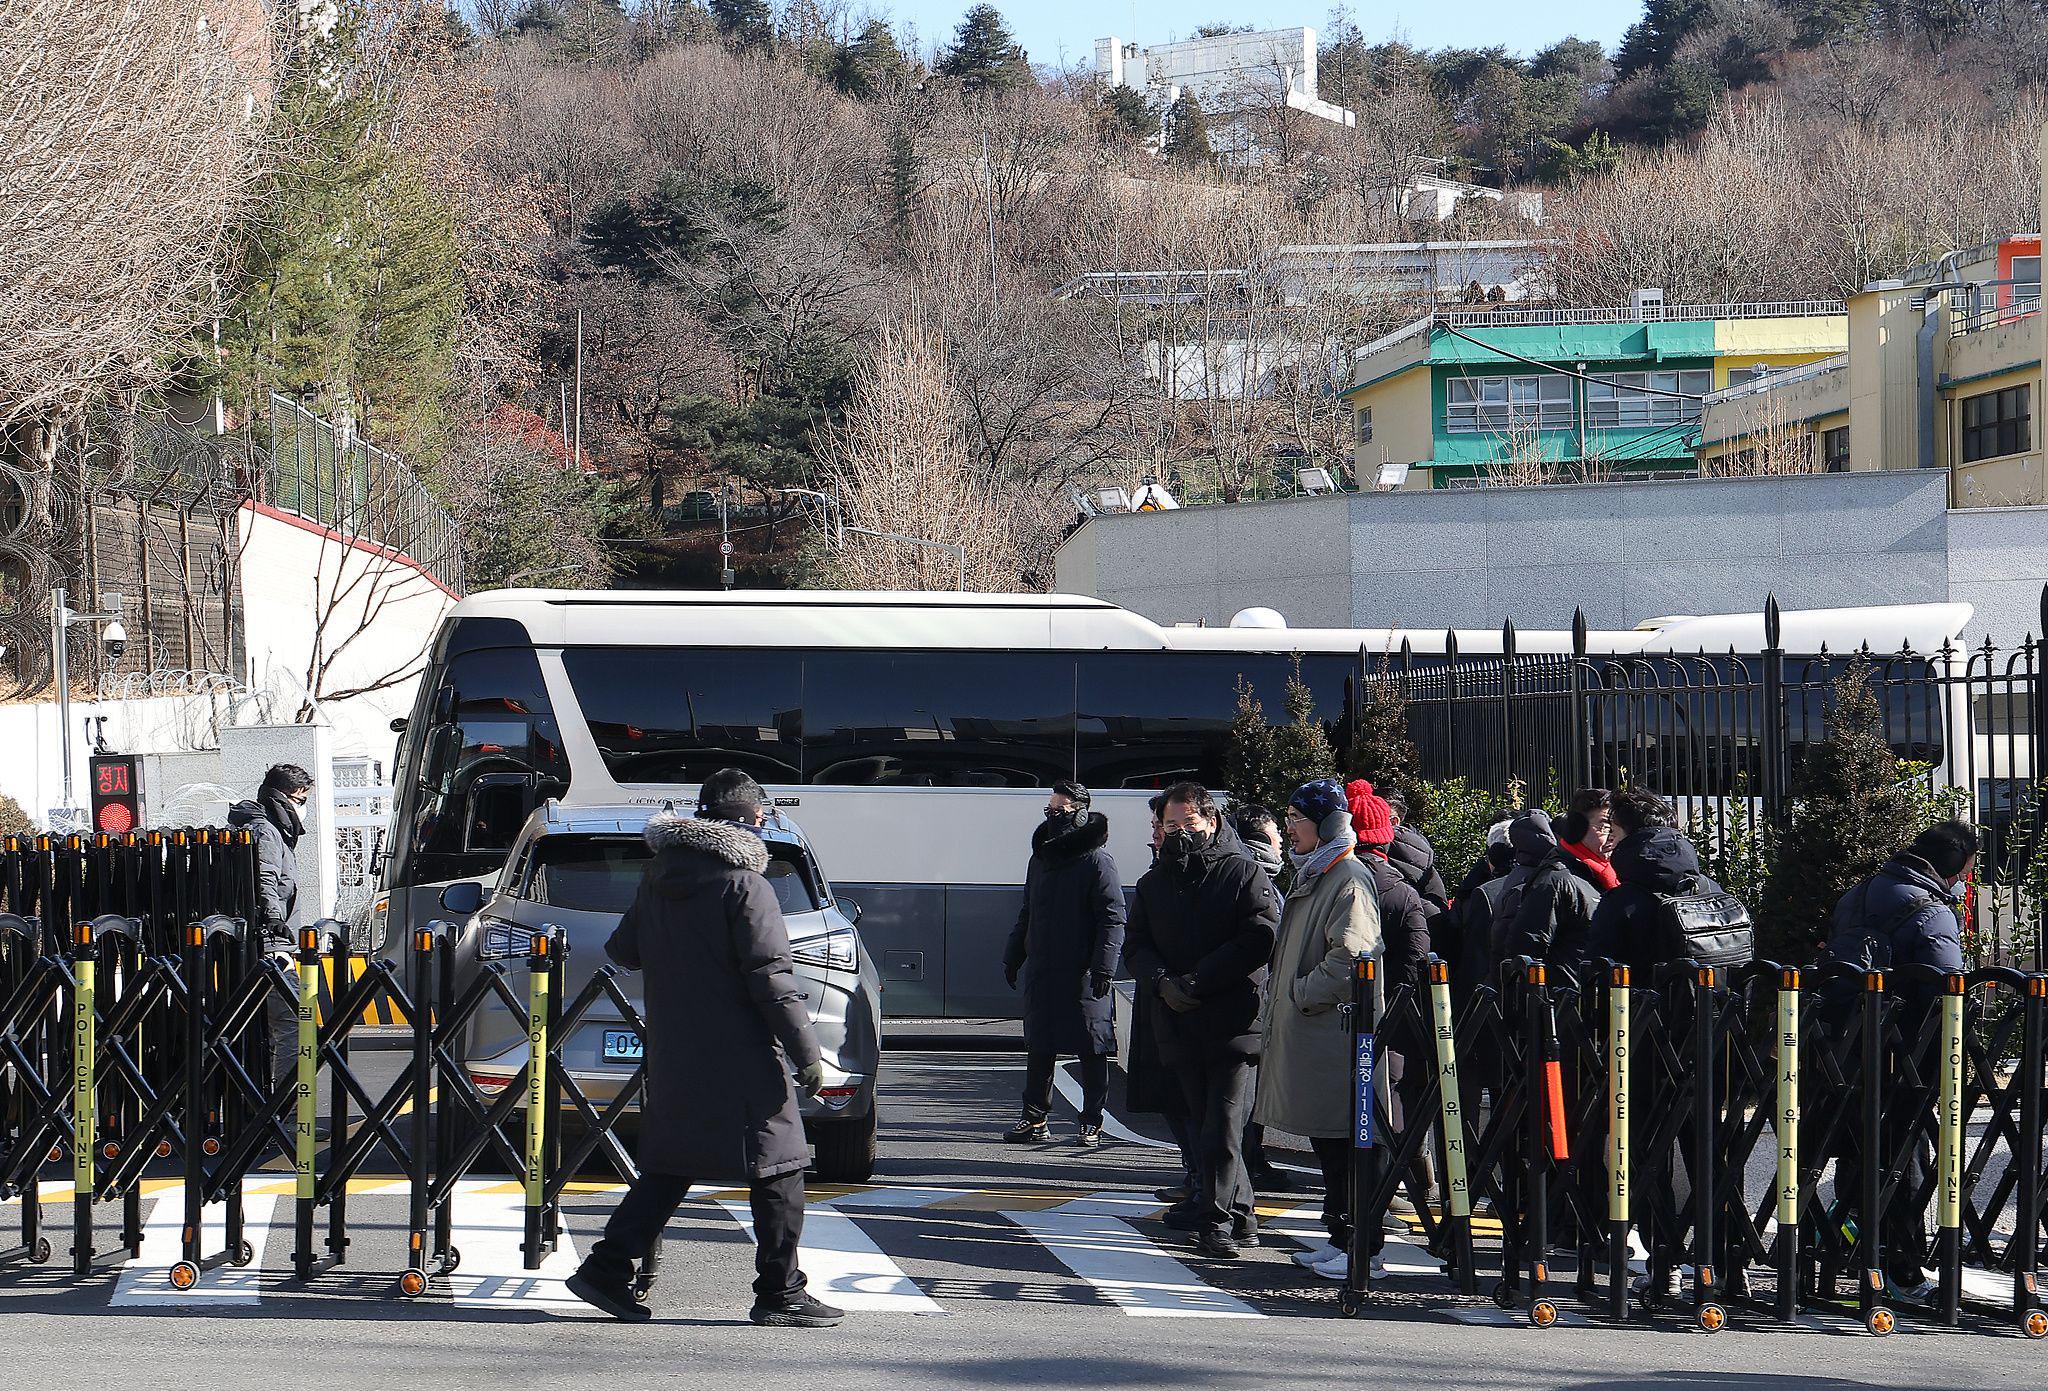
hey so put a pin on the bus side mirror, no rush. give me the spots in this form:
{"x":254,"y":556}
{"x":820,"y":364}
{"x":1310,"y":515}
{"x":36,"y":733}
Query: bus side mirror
{"x":463,"y":897}
{"x":848,"y":909}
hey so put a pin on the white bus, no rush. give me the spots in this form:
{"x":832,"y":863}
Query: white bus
{"x":911,"y":735}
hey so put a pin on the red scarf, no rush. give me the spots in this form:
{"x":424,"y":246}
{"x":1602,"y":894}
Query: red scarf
{"x":1603,"y":872}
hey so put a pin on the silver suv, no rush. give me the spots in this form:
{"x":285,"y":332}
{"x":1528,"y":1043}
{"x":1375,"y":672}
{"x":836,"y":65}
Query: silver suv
{"x":576,"y":868}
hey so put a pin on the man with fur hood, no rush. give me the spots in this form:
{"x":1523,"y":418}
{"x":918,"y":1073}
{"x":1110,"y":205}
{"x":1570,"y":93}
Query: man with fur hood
{"x":1067,"y":943}
{"x":726,"y":1026}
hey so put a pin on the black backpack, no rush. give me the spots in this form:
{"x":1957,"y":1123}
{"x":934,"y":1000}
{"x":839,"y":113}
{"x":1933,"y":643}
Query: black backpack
{"x":1709,"y":926}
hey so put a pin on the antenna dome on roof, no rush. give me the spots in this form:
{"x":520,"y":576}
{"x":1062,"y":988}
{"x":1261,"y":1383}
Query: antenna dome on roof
{"x":1258,"y":618}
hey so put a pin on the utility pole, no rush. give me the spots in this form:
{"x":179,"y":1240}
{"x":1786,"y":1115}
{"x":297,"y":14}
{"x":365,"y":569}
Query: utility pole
{"x":579,"y":390}
{"x":725,"y":574}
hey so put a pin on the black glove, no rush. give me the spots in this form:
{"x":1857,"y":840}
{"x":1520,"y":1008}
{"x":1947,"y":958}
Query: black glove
{"x":1010,"y":975}
{"x":1098,"y":983}
{"x":1175,"y":992}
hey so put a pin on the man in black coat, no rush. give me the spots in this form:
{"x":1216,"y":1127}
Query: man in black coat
{"x":1067,"y":943}
{"x":1202,"y":930}
{"x":1545,"y":910}
{"x":1413,"y":855}
{"x":726,"y":1024}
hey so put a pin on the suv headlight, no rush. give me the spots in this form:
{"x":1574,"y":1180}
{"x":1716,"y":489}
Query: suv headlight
{"x":503,"y":941}
{"x":837,"y":949}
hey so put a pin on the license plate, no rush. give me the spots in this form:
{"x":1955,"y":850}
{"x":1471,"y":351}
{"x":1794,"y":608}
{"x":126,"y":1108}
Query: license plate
{"x":621,"y":1046}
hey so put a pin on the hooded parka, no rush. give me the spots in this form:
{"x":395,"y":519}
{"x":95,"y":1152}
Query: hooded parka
{"x":726,"y":1020}
{"x":1071,"y":924}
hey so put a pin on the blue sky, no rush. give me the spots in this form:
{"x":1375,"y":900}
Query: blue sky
{"x":1045,"y":27}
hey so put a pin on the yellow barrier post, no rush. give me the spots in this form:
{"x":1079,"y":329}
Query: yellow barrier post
{"x":536,"y":1098}
{"x":1787,"y":1127}
{"x":1618,"y":1114}
{"x":1457,"y":1185}
{"x":308,"y":1069}
{"x":84,"y":1102}
{"x":1948,"y":1182}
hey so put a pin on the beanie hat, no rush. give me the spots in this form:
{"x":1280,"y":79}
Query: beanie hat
{"x":1497,"y":833}
{"x":1371,"y":817}
{"x":1322,"y":802}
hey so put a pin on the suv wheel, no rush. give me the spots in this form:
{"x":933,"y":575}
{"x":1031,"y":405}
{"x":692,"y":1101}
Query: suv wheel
{"x":846,"y":1148}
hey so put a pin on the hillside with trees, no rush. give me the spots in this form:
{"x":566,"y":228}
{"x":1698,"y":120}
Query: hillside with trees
{"x":785,"y":247}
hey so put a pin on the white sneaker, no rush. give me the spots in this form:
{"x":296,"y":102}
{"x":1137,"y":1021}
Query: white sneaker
{"x":1339,"y":1266}
{"x":1316,"y":1254}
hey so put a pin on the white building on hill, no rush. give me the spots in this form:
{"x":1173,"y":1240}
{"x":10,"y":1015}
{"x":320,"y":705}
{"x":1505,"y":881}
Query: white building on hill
{"x":1228,"y":74}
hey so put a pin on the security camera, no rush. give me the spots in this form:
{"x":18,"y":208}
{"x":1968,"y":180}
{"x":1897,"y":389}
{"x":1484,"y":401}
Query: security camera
{"x":114,"y":638}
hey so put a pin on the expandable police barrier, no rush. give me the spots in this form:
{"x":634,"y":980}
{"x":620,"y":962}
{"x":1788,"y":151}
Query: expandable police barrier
{"x":1585,"y":1106}
{"x":1578,"y":1107}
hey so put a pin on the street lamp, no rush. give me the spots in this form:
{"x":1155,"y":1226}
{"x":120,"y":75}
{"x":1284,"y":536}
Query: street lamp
{"x":836,"y":529}
{"x":113,"y":637}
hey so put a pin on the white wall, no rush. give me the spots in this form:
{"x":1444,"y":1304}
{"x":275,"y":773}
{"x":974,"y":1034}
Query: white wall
{"x":375,"y":613}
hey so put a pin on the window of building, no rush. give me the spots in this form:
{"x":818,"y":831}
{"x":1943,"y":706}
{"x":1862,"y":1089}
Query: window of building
{"x":1362,"y":425}
{"x":1997,"y":423}
{"x":1834,"y":449}
{"x":1743,"y":376}
{"x":1639,"y":400}
{"x":1502,"y":403}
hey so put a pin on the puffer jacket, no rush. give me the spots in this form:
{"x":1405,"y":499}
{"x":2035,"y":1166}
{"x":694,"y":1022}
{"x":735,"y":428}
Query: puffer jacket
{"x":1404,"y":925}
{"x":1413,"y":855}
{"x":1545,"y":911}
{"x":277,"y":871}
{"x":1903,"y":915}
{"x":1627,"y":929}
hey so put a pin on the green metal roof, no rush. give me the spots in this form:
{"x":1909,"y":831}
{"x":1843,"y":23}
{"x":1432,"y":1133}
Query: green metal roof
{"x":1568,"y":343}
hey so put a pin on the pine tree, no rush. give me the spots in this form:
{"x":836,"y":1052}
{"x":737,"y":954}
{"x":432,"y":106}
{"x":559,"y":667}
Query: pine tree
{"x":903,"y":179}
{"x":984,"y":57}
{"x":1187,"y":133}
{"x":1248,"y":763}
{"x":744,"y":23}
{"x":1301,"y":747}
{"x":871,"y":64}
{"x":1850,"y":810}
{"x":1381,"y":751}
{"x":1125,"y":113}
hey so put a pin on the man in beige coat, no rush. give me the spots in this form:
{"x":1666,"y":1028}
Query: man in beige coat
{"x":1331,"y":918}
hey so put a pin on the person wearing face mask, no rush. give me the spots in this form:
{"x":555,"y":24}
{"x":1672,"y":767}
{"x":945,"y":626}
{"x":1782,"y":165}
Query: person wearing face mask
{"x":274,"y":822}
{"x":1586,"y":834}
{"x":1067,"y":942}
{"x":1201,"y":930}
{"x":1149,"y":1088}
{"x":1332,"y":919}
{"x":1260,"y":834}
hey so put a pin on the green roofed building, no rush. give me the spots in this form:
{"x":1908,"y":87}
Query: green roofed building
{"x":1513,"y":395}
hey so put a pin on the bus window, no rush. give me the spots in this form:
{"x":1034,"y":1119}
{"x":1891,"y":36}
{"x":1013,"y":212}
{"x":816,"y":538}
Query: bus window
{"x":1148,"y":719}
{"x":680,"y":714}
{"x":489,"y":752}
{"x":952,"y":719}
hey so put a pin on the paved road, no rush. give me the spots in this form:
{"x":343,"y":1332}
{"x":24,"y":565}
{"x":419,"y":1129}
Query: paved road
{"x":969,"y":1263}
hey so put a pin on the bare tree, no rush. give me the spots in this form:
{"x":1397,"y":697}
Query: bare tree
{"x":900,"y":463}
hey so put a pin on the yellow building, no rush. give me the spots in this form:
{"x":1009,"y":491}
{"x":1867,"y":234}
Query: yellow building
{"x":1943,"y":369}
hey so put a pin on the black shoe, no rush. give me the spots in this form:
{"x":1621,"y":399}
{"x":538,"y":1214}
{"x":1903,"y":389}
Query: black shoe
{"x":1178,"y":1194}
{"x":800,"y":1311}
{"x":615,"y":1297}
{"x":1271,"y":1180}
{"x":1027,"y":1132}
{"x":1218,"y":1245}
{"x":1183,"y":1217}
{"x":1244,"y":1231}
{"x":1090,"y":1136}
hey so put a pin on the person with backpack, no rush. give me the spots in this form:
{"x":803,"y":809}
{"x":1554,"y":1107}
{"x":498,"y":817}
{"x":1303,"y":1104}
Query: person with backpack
{"x":1545,"y":910}
{"x":1663,"y":907}
{"x":1903,"y":915}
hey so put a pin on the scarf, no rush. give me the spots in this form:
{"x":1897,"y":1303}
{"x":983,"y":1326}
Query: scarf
{"x":1310,"y":867}
{"x":283,"y":813}
{"x":1603,"y":872}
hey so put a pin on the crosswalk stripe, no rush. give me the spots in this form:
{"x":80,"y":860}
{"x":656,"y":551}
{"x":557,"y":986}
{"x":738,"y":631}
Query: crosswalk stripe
{"x":146,"y":1278}
{"x":843,"y":1264}
{"x":1089,"y":1237}
{"x":490,"y":1224}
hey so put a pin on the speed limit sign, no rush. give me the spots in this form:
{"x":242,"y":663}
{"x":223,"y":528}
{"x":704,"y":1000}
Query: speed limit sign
{"x":725,"y":548}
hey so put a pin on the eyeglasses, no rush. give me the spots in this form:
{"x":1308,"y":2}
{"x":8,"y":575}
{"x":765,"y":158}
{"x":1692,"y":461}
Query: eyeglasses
{"x":1294,"y":816}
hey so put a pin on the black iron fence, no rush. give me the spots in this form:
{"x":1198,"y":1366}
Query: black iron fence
{"x":1723,"y":734}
